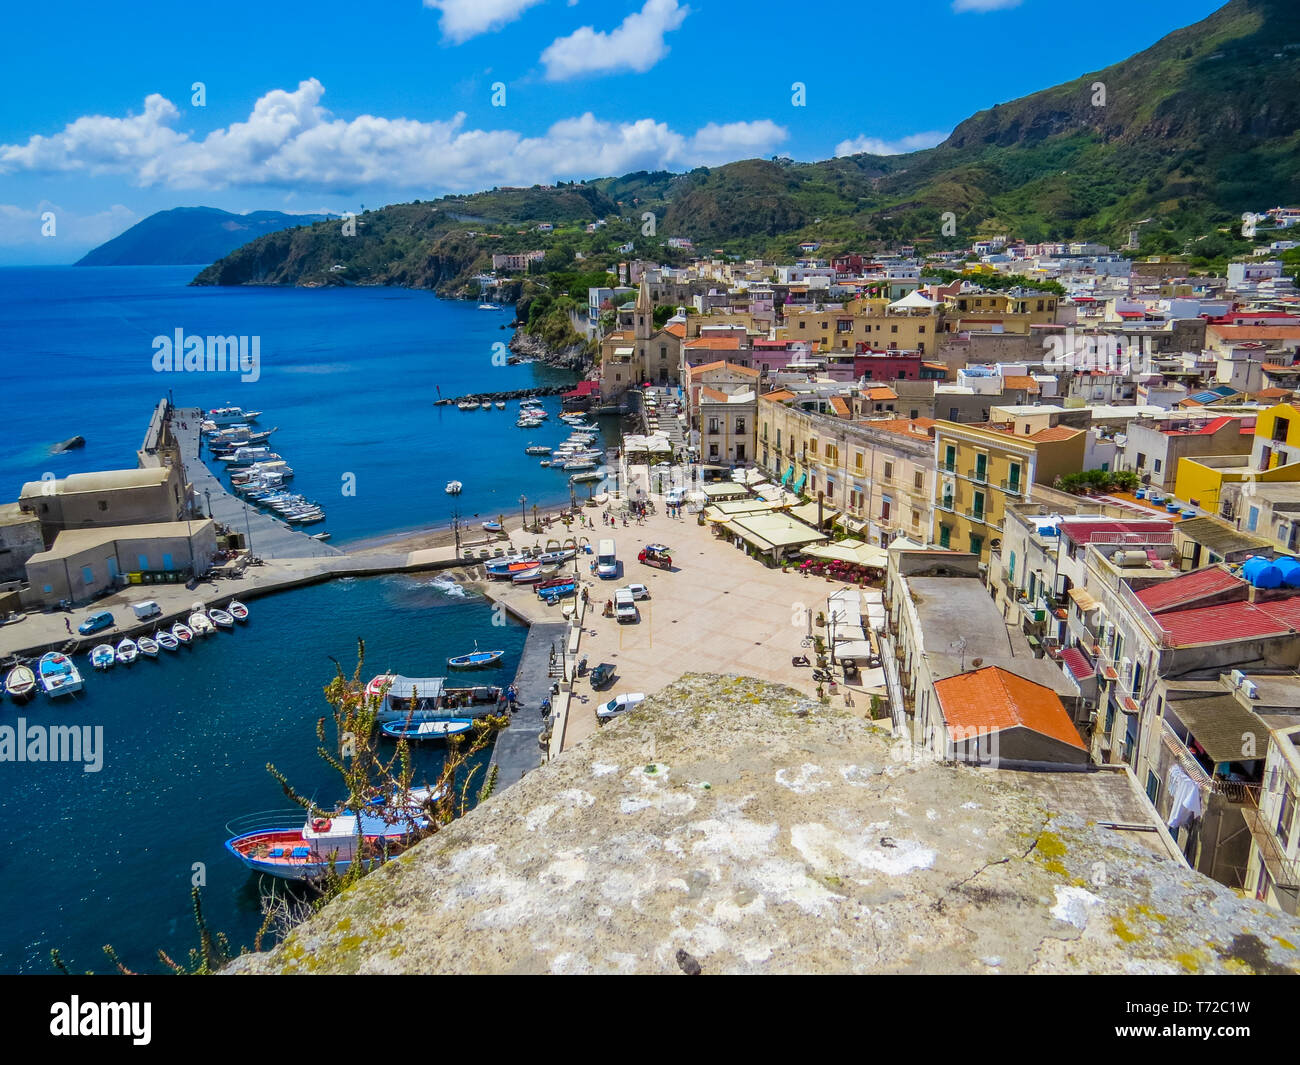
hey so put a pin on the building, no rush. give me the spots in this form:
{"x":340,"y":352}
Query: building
{"x":109,"y":498}
{"x":86,"y":562}
{"x":20,"y":538}
{"x":1273,"y":864}
{"x":1153,"y":448}
{"x":721,"y":411}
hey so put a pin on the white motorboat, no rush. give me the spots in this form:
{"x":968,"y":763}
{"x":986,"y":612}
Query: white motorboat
{"x":201,"y":624}
{"x":221,"y":618}
{"x":127,"y":651}
{"x":58,"y":675}
{"x":103,"y":656}
{"x":454,"y":488}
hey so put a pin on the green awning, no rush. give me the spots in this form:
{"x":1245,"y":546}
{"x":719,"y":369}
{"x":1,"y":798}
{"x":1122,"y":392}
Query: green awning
{"x":789,"y":473}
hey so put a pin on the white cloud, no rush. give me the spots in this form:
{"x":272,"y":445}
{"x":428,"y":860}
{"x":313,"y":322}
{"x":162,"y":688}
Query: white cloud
{"x":290,"y":141}
{"x":637,"y":44}
{"x":463,"y":19}
{"x":22,"y":225}
{"x":913,"y":142}
{"x":982,"y":6}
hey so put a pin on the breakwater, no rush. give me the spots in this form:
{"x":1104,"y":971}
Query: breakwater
{"x":514,"y":393}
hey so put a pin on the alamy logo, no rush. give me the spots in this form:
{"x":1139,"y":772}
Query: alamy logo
{"x":1093,"y":351}
{"x":102,"y":1018}
{"x":179,"y":353}
{"x":53,"y":743}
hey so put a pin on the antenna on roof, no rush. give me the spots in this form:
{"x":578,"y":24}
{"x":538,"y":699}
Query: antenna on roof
{"x":960,"y":647}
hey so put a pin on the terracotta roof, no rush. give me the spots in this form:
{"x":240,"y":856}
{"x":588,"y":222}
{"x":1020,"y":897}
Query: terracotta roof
{"x":713,"y":394}
{"x":1187,"y":589}
{"x":1257,"y":332}
{"x":1274,"y":393}
{"x":1020,"y":381}
{"x":1073,"y":660}
{"x":678,"y":329}
{"x":779,"y":396}
{"x":715,"y":343}
{"x":1053,"y":434}
{"x":839,"y":406}
{"x":993,"y":699}
{"x":731,"y":367}
{"x":917,"y":427}
{"x":881,"y":393}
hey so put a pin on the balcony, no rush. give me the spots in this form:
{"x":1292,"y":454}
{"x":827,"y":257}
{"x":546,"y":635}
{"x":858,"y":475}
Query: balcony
{"x":1014,"y":488}
{"x":976,"y":515}
{"x":946,"y":504}
{"x":1284,"y":871}
{"x":977,"y":475}
{"x":947,"y":467}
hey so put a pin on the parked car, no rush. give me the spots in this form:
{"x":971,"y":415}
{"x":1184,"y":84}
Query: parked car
{"x":95,"y":622}
{"x":620,"y":704}
{"x":639,"y":591}
{"x":602,"y":675}
{"x":625,"y":606}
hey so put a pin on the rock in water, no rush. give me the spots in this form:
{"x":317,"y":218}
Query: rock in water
{"x":70,"y":444}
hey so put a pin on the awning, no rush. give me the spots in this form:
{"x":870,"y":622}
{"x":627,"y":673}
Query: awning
{"x":857,"y":650}
{"x":798,"y":485}
{"x":851,"y":551}
{"x":851,"y":524}
{"x":808,"y":512}
{"x":1083,"y":599}
{"x":789,"y":473}
{"x":1221,"y":726}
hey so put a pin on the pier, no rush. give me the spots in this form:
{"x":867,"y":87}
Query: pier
{"x":517,"y":393}
{"x":517,"y":749}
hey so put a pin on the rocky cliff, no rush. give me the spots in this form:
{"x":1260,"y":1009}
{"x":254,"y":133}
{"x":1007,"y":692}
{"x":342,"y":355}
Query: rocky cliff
{"x":732,"y":826}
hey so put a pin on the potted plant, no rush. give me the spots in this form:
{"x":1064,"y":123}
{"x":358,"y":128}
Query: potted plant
{"x":821,"y":619}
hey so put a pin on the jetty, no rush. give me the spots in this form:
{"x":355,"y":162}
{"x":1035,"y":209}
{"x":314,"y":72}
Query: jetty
{"x":517,"y":750}
{"x":516,"y":393}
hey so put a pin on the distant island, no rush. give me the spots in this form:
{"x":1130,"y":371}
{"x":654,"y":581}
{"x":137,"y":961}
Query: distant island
{"x":190,"y":235}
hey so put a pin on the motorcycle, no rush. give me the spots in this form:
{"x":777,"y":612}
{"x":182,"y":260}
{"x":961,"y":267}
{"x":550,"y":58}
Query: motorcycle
{"x":800,"y":660}
{"x":823,"y":674}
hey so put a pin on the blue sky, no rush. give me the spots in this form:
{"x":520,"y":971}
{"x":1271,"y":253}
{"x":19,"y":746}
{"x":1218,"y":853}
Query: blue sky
{"x":333,"y":105}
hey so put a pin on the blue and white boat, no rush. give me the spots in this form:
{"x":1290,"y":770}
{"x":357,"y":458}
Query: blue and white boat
{"x":476,"y":659}
{"x":58,"y":676}
{"x":430,"y":729}
{"x":103,"y":656}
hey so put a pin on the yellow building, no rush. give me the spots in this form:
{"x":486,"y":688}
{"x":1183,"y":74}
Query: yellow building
{"x":1218,"y":483}
{"x":1277,"y":437}
{"x":910,"y":324}
{"x":983,"y":470}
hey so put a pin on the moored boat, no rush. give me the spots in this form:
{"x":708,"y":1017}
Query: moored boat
{"x":20,"y":683}
{"x":237,"y":610}
{"x":528,"y":574}
{"x":183,"y":634}
{"x":58,"y":675}
{"x":492,"y":526}
{"x":427,"y":730}
{"x":148,"y":647}
{"x":476,"y":659}
{"x":127,"y":651}
{"x":166,"y":640}
{"x":103,"y":656}
{"x":454,"y":488}
{"x":426,"y":698}
{"x":221,"y":618}
{"x":537,"y":449}
{"x":201,"y":624}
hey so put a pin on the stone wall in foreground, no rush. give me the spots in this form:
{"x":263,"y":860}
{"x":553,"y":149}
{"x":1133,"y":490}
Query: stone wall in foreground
{"x":737,"y":826}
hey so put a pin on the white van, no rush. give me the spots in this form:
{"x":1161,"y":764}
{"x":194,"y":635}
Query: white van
{"x":147,"y":609}
{"x":606,"y":560}
{"x":625,"y":605}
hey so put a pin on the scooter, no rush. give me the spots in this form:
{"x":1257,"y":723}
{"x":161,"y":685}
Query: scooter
{"x":823,"y":674}
{"x":800,"y":660}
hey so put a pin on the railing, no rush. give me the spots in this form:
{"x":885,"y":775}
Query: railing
{"x":946,"y":504}
{"x":1012,"y":487}
{"x":980,"y":477}
{"x":1136,"y":539}
{"x":976,"y":515}
{"x":1145,"y":617}
{"x":1284,"y":871}
{"x":947,"y":467}
{"x":1183,"y":756}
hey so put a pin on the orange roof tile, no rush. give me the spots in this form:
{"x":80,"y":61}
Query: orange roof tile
{"x":993,"y":699}
{"x":1020,"y":381}
{"x":678,"y":329}
{"x":779,"y":396}
{"x":881,"y":393}
{"x":1054,"y":433}
{"x":713,"y":394}
{"x":839,"y":406}
{"x":715,"y":343}
{"x":1274,"y":393}
{"x":917,"y":427}
{"x":731,"y":367}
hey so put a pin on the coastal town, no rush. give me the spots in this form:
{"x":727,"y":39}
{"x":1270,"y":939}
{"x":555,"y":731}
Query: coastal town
{"x":1046,"y":527}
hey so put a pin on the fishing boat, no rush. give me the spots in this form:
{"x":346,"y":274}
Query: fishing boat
{"x":580,"y":464}
{"x":528,"y":574}
{"x":237,"y":610}
{"x":183,"y":633}
{"x":58,"y":675}
{"x":103,"y":656}
{"x":590,"y":475}
{"x":537,"y":449}
{"x":426,"y":698}
{"x":427,"y":730}
{"x":166,"y":640}
{"x":221,"y":618}
{"x":223,"y":416}
{"x":454,"y":487}
{"x":504,"y":568}
{"x":556,"y":588}
{"x":550,"y":558}
{"x":276,"y":845}
{"x":492,"y":526}
{"x":500,"y":404}
{"x":127,"y":651}
{"x":20,"y":683}
{"x":465,"y":404}
{"x":148,"y":647}
{"x":476,"y":659}
{"x":201,"y":624}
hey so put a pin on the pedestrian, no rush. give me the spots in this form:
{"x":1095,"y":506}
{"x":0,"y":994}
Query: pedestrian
{"x":67,"y":625}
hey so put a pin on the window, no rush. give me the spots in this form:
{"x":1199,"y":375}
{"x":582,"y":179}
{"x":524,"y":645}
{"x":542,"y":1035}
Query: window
{"x":889,"y":471}
{"x":1286,"y":816}
{"x":857,"y":460}
{"x":1142,"y":461}
{"x":914,"y":413}
{"x":893,"y":329}
{"x":885,"y":508}
{"x":918,"y":481}
{"x":740,"y":426}
{"x":778,"y":440}
{"x":950,"y":458}
{"x":945,"y":536}
{"x":812,"y":445}
{"x":713,"y":425}
{"x":1153,"y":787}
{"x":855,"y":497}
{"x":952,"y":414}
{"x":916,"y":518}
{"x":1157,"y":466}
{"x":920,"y":329}
{"x":976,"y":544}
{"x":1252,"y":520}
{"x":803,"y":324}
{"x":978,"y":508}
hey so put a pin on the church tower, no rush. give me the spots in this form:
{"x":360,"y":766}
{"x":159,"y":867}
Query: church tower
{"x":644,"y":326}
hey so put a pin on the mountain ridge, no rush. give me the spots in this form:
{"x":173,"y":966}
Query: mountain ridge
{"x":185,"y":235}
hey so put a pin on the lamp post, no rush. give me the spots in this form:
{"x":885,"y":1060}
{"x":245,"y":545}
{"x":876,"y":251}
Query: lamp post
{"x":248,"y":529}
{"x":523,"y":513}
{"x":207,"y":493}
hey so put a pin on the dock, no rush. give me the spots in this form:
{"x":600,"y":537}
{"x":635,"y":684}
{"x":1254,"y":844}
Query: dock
{"x":268,"y":537}
{"x":518,"y":749}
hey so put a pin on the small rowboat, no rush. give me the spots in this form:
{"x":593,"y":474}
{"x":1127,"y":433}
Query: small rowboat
{"x":528,"y":574}
{"x":166,"y":640}
{"x":221,"y":619}
{"x":201,"y":624}
{"x":148,"y":647}
{"x":477,"y":660}
{"x":426,"y":730}
{"x":492,"y":526}
{"x":183,"y":633}
{"x":127,"y":651}
{"x":103,"y":656}
{"x":237,"y":610}
{"x":20,"y":683}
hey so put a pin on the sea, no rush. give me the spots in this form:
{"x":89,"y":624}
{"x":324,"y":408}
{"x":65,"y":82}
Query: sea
{"x":349,"y":375}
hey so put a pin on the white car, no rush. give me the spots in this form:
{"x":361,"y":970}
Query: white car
{"x":618,"y":705}
{"x":639,"y":591}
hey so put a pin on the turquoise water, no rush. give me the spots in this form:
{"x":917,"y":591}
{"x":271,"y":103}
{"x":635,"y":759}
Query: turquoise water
{"x":348,"y":375}
{"x":108,"y":857}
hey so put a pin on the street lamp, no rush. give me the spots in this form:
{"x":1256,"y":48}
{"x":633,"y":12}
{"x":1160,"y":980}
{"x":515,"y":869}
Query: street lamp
{"x":207,"y":493}
{"x":523,"y":513}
